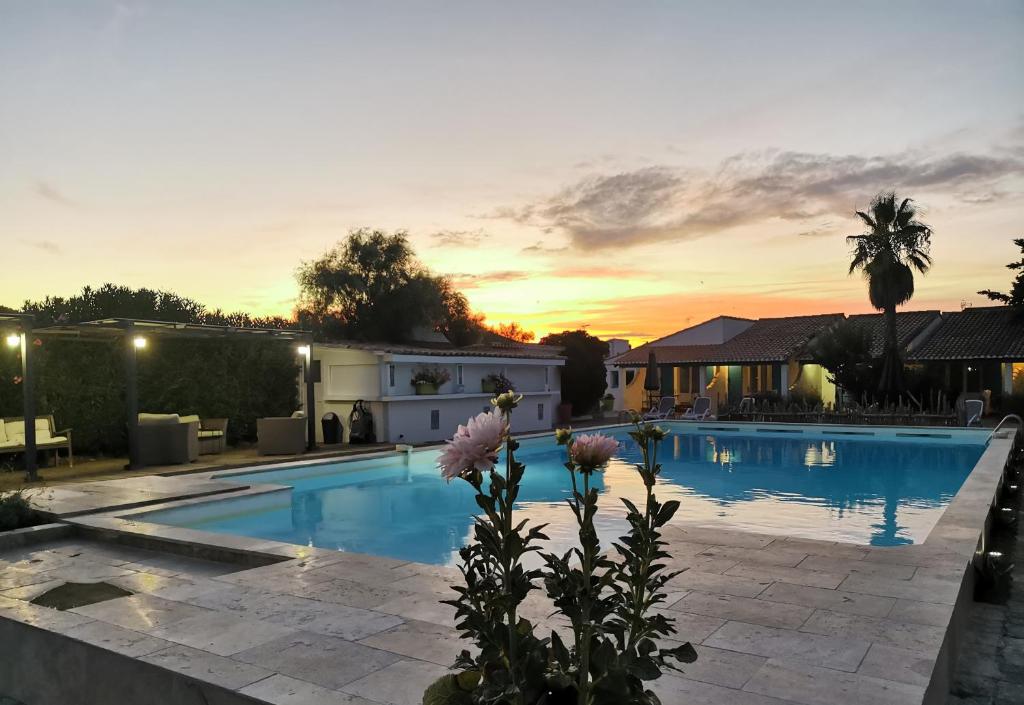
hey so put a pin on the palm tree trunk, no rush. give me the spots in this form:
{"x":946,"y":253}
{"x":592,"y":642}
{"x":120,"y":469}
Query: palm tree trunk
{"x":891,"y":379}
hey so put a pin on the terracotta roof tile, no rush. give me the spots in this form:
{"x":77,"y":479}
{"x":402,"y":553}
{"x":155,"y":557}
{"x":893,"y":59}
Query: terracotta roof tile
{"x":983,"y":333}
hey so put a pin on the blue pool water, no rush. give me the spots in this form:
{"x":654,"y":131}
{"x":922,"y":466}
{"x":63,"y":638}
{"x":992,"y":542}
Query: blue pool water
{"x":877,"y":492}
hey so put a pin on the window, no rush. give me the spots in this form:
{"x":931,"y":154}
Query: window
{"x":540,"y":412}
{"x":689,"y":380}
{"x":391,"y":375}
{"x":458,"y":374}
{"x":435,"y":419}
{"x":630,"y":376}
{"x":615,"y":379}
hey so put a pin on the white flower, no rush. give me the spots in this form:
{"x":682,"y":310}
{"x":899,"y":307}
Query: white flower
{"x":474,"y":447}
{"x":592,"y":451}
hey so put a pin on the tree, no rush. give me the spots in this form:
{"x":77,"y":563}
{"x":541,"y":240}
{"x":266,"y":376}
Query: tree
{"x":887,"y":253}
{"x":583,"y":377}
{"x":845,"y":352}
{"x":1016,"y":296}
{"x":371,"y":287}
{"x":513,"y":331}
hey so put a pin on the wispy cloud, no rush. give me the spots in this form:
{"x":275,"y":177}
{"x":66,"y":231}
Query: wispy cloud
{"x":54,"y":195}
{"x":463,"y":280}
{"x":660,"y":203}
{"x":541,"y":248}
{"x":458,"y":238}
{"x":47,"y":246}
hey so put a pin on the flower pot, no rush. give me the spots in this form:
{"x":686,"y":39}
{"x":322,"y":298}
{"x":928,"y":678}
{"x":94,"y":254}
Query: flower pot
{"x":487,"y":386}
{"x":426,"y":388}
{"x":607,"y":404}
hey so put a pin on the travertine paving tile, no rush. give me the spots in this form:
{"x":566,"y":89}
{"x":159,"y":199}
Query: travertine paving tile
{"x":348,"y":592}
{"x":420,"y":640}
{"x":220,"y":633}
{"x":794,"y":576}
{"x":771,"y":555}
{"x":323,"y":660}
{"x":208,"y":667}
{"x":920,"y":590}
{"x":694,"y":628}
{"x":744,"y":609}
{"x":716,"y":537}
{"x":880,"y":629}
{"x":935,"y":614}
{"x":42,"y":617}
{"x":842,"y":653}
{"x":828,"y":564}
{"x":423,"y":607}
{"x":116,"y":639}
{"x":342,"y":621}
{"x":140,"y":613}
{"x":837,"y":600}
{"x":282,"y":690}
{"x":812,"y":685}
{"x":725,"y":584}
{"x":675,"y":690}
{"x":895,"y":664}
{"x":401,"y":683}
{"x":727,"y":668}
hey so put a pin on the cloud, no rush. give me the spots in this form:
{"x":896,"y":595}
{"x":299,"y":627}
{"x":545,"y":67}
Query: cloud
{"x":539,"y":248}
{"x":458,"y":238}
{"x":464,"y":280}
{"x":52,"y":194}
{"x":660,"y":203}
{"x":47,"y":246}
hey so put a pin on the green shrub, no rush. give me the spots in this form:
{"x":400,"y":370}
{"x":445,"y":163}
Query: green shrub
{"x":16,"y":511}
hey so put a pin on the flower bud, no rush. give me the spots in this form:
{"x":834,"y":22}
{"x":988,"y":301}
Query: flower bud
{"x":563,"y":436}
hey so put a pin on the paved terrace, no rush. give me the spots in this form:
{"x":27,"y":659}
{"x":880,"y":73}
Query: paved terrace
{"x":775,"y":620}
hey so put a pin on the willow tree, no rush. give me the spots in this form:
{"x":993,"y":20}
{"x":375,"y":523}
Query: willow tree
{"x":894,"y":246}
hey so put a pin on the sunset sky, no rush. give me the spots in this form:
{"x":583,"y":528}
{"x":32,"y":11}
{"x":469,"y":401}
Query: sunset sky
{"x":634,"y":167}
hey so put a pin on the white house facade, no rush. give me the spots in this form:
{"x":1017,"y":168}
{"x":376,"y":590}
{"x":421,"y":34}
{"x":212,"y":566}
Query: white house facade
{"x":380,"y":375}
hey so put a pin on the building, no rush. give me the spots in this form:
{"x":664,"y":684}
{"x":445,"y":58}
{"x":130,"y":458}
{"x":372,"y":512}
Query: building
{"x":975,"y":350}
{"x":379,"y":374}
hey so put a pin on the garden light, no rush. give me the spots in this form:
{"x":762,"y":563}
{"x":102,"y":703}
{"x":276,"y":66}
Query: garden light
{"x":139,"y":342}
{"x":13,"y":340}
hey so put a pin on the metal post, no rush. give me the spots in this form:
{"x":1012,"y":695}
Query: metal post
{"x":131,"y":399}
{"x":27,"y":383}
{"x":310,"y":401}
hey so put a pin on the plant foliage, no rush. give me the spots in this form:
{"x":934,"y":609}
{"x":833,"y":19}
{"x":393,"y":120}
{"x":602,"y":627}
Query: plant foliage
{"x":583,"y":376}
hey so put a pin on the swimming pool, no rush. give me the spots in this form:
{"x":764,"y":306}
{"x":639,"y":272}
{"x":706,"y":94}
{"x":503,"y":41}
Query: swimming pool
{"x":882,"y":487}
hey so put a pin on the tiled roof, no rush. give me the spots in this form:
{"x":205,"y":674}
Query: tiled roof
{"x":666,"y":354}
{"x":909,"y":325}
{"x":983,"y":333}
{"x":767,"y":340}
{"x":529,"y":351}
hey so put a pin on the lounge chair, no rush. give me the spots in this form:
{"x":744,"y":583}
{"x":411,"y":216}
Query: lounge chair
{"x":12,"y":437}
{"x":973,"y":410}
{"x":666,"y":407}
{"x":212,"y":434}
{"x":281,"y":435}
{"x":700,"y":410}
{"x":167,"y":439}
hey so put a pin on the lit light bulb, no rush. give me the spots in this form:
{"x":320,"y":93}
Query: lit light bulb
{"x":14,"y":340}
{"x":139,"y":342}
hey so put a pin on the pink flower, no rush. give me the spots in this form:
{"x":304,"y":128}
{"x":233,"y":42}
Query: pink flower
{"x":592,"y":451}
{"x":474,"y":446}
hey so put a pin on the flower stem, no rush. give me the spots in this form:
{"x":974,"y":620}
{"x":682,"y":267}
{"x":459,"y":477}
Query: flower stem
{"x":585,"y":524}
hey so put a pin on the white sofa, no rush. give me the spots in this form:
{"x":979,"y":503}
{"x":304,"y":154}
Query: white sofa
{"x":12,"y":437}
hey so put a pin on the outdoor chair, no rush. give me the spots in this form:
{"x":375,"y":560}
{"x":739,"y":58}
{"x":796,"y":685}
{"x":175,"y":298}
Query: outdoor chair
{"x":973,"y":410}
{"x":666,"y":407}
{"x":167,"y":439}
{"x":701,"y":410}
{"x":12,"y":437}
{"x":212,"y":434}
{"x":281,"y":435}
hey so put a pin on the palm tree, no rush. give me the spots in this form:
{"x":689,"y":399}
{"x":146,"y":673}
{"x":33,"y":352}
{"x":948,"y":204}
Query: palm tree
{"x":895,"y":244}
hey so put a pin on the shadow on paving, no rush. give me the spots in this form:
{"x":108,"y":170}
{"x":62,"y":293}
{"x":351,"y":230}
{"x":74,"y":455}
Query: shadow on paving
{"x":990,"y":668}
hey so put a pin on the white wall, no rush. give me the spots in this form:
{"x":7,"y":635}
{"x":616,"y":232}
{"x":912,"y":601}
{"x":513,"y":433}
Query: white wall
{"x":408,"y":421}
{"x":717,"y":330}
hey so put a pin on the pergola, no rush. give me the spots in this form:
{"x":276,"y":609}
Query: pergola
{"x":132,"y":335}
{"x":17,"y":333}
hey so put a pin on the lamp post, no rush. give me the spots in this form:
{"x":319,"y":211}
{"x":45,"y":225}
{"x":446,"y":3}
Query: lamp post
{"x":132,"y":344}
{"x":23,"y":340}
{"x":306,"y":353}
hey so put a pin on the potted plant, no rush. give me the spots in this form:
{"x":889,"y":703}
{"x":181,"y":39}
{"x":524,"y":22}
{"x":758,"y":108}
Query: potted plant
{"x":426,"y":380}
{"x":495,"y":384}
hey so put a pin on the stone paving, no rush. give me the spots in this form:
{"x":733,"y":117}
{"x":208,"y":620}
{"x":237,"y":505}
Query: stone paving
{"x":990,"y":670}
{"x":775,"y":620}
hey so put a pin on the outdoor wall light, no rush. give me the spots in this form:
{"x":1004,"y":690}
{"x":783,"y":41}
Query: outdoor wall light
{"x":13,"y":340}
{"x":303,"y":350}
{"x":139,"y":342}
